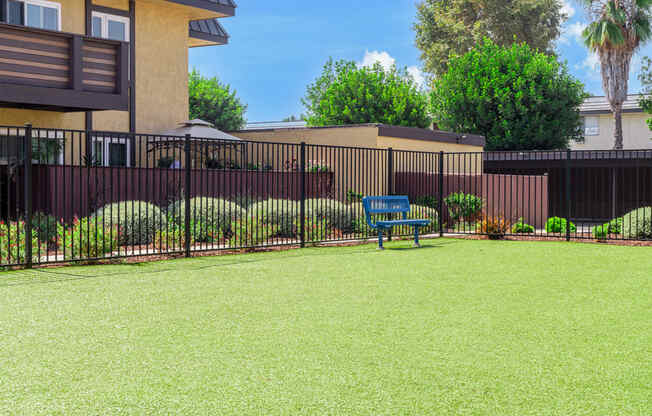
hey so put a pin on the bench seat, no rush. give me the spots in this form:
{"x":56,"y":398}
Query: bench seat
{"x":395,"y":223}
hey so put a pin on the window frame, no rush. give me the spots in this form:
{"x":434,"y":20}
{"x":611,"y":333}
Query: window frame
{"x":40,"y":3}
{"x":106,"y":149}
{"x":591,"y":131}
{"x":105,"y":17}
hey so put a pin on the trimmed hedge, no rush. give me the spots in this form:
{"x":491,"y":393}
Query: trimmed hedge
{"x":637,"y":224}
{"x":558,"y":225}
{"x":206,"y":214}
{"x":336,"y":214}
{"x":282,"y":213}
{"x":137,"y":221}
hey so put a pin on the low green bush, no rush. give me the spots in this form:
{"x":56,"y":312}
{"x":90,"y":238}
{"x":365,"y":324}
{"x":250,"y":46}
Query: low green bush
{"x":172,"y":237}
{"x":637,"y":224}
{"x":211,"y":213}
{"x":12,"y":243}
{"x":461,"y":206}
{"x":431,"y":201}
{"x":47,"y":228}
{"x":137,"y":221}
{"x":615,"y":226}
{"x":338,"y":215}
{"x":521,"y":227}
{"x":601,"y":232}
{"x":418,"y":212}
{"x":558,"y":225}
{"x":282,"y":213}
{"x":317,"y":230}
{"x":250,"y":232}
{"x":88,"y":238}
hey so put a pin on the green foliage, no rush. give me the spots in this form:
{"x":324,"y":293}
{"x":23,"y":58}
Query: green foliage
{"x":558,"y":225}
{"x":353,"y":196}
{"x":431,"y":201}
{"x":601,"y":232}
{"x":214,"y":102}
{"x":348,"y":94}
{"x":447,"y":28}
{"x":171,"y":238}
{"x":615,"y":226}
{"x":282,"y":213}
{"x":12,"y":243}
{"x":207,"y":215}
{"x":516,"y":97}
{"x":316,"y":229}
{"x":521,"y":227}
{"x":251,"y":231}
{"x":46,"y":226}
{"x":88,"y":238}
{"x":137,"y":221}
{"x":419,"y":212}
{"x":637,"y":224}
{"x":338,"y":215}
{"x":463,"y":206}
{"x":645,"y":77}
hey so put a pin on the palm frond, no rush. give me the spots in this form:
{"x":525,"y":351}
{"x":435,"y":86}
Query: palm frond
{"x":642,"y":27}
{"x":615,"y":13}
{"x":643,"y":4}
{"x":612,"y":33}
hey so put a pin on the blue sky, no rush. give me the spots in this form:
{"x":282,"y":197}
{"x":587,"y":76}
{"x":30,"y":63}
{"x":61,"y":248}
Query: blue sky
{"x":278,"y":47}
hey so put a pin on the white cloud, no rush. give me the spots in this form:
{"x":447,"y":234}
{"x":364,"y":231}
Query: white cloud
{"x":387,"y":61}
{"x":572,"y":31}
{"x":567,"y":8}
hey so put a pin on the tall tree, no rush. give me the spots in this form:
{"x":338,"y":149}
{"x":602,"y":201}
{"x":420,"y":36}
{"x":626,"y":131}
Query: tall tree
{"x":452,"y":27}
{"x":348,"y":94}
{"x":617,"y":29}
{"x":215,"y":102}
{"x":516,"y":97}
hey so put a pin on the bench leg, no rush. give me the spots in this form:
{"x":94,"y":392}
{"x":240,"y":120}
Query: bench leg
{"x":380,"y":239}
{"x":416,"y":237}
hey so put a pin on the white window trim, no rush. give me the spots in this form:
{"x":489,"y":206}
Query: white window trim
{"x":107,"y":140}
{"x":43,"y":3}
{"x":42,"y":134}
{"x":591,"y":131}
{"x":105,"y":23}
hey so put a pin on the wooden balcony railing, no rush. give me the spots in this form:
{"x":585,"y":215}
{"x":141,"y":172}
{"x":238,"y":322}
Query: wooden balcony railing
{"x":58,"y":71}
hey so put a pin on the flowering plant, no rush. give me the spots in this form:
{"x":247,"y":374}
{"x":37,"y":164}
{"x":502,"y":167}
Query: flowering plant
{"x":88,"y":238}
{"x":12,"y":243}
{"x":250,"y":231}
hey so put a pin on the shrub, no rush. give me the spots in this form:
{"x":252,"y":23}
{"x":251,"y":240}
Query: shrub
{"x":463,"y":206}
{"x":337,"y":214}
{"x":251,"y":231}
{"x":172,"y":237}
{"x":615,"y":226}
{"x":601,"y":232}
{"x":88,"y":238}
{"x":12,"y":243}
{"x":558,"y":225}
{"x":353,"y":196}
{"x":637,"y":224}
{"x":494,"y":226}
{"x":212,"y":213}
{"x":418,"y":212}
{"x":316,"y":230}
{"x":282,"y":213}
{"x":47,"y":228}
{"x":465,"y":226}
{"x":137,"y":221}
{"x":431,"y":201}
{"x":522,"y":228}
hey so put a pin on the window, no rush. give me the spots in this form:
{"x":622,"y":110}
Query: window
{"x":591,"y":126}
{"x":40,"y":14}
{"x":111,"y":151}
{"x":108,"y":26}
{"x":47,"y":149}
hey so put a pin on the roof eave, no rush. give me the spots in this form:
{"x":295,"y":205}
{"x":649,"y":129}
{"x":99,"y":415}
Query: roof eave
{"x":223,"y":9}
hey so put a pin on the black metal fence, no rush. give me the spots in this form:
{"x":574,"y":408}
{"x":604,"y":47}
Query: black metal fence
{"x":68,"y":195}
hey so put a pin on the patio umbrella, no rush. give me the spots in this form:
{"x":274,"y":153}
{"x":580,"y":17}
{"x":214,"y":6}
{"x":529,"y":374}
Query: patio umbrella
{"x":204,"y":139}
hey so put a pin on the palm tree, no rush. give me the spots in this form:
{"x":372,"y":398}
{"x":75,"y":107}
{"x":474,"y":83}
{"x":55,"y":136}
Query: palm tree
{"x":617,"y":29}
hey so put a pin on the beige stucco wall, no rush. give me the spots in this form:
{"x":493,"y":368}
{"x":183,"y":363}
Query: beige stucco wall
{"x":161,"y":71}
{"x":636,"y":133}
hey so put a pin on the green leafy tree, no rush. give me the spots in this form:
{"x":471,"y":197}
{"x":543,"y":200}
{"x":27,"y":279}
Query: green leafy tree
{"x":453,"y":27}
{"x":516,"y":97}
{"x":348,"y":94}
{"x":294,"y":118}
{"x":214,"y":102}
{"x":645,"y":76}
{"x":617,"y":29}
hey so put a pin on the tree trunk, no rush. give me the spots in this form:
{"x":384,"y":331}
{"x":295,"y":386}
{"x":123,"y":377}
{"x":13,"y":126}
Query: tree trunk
{"x":614,"y":65}
{"x":618,"y":130}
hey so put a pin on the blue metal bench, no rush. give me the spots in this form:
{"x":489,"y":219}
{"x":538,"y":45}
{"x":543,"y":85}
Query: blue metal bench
{"x":375,"y":205}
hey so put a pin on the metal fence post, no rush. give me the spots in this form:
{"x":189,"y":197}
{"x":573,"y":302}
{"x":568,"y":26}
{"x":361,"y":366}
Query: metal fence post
{"x":390,"y":183}
{"x":28,"y":195}
{"x":186,"y":219}
{"x":441,"y":193}
{"x":302,"y":230}
{"x":568,"y":194}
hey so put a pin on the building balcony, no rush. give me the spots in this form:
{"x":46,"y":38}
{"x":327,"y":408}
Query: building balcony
{"x":56,"y":71}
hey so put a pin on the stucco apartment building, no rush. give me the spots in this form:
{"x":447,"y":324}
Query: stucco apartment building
{"x":599,"y":125}
{"x":102,"y":65}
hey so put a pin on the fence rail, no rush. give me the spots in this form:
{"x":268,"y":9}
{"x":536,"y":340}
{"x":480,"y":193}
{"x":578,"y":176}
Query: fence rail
{"x":68,"y":195}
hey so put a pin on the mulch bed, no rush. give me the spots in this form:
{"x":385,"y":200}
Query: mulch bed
{"x":631,"y":243}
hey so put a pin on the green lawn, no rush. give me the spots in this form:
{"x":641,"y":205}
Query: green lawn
{"x":457,"y":327}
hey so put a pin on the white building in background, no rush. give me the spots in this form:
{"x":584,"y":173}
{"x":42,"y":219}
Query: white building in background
{"x":599,"y":125}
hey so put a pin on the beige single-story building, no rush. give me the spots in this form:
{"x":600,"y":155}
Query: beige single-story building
{"x":599,"y":125}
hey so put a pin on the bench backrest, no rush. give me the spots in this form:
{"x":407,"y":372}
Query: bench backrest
{"x":390,"y":204}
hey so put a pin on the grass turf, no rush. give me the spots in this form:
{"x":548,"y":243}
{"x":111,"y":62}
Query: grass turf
{"x":457,"y":327}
